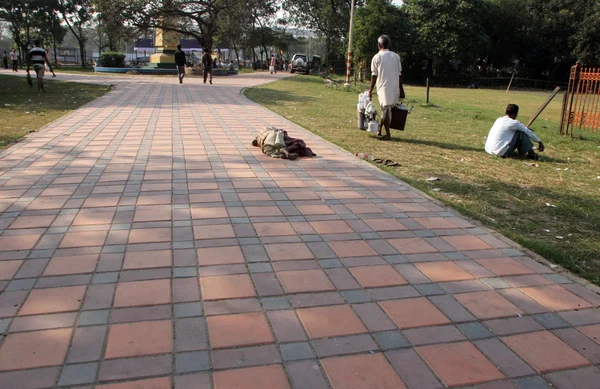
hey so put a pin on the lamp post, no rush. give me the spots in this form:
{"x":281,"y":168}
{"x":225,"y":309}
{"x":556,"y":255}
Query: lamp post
{"x":349,"y":63}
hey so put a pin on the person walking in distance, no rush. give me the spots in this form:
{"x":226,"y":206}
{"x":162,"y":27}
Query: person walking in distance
{"x":180,"y":61}
{"x":272,"y":67}
{"x":14,"y":57}
{"x":38,"y":59}
{"x":5,"y":60}
{"x":386,"y":70}
{"x":207,"y":65}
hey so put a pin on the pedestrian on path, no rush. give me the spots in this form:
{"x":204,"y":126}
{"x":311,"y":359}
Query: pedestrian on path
{"x":14,"y":57}
{"x":5,"y":60}
{"x":180,"y":61}
{"x":386,"y":70}
{"x":272,"y":67}
{"x":38,"y":59}
{"x":207,"y":63}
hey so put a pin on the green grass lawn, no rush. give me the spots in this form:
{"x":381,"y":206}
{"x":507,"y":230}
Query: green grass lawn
{"x":445,"y":139}
{"x":23,"y":110}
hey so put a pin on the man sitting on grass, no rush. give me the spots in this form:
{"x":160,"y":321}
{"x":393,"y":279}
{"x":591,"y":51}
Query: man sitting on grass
{"x":508,"y":135}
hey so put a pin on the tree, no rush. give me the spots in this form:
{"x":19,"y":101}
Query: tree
{"x":379,"y":17}
{"x":587,"y":38}
{"x":329,"y":18}
{"x":77,"y":14}
{"x":21,"y":16}
{"x":450,"y":32}
{"x":196,"y":18}
{"x":51,"y":27}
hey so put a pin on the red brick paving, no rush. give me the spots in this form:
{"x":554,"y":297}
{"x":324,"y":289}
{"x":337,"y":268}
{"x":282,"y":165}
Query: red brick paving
{"x":143,"y":236}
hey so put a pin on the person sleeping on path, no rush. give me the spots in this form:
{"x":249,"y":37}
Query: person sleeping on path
{"x":276,"y":143}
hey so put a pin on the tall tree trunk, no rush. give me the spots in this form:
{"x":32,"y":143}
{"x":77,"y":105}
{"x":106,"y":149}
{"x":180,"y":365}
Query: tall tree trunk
{"x":55,"y":51}
{"x":82,"y":53}
{"x":237,"y":56}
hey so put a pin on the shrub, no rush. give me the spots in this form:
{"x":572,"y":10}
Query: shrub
{"x":112,"y":60}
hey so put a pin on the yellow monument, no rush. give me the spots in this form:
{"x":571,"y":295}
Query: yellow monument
{"x":166,"y":44}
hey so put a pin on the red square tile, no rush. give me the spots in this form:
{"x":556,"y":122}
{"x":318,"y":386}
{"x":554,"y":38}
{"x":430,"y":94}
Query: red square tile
{"x":267,"y":377}
{"x":19,"y":242}
{"x":487,"y":305}
{"x":444,"y":271}
{"x":101,"y":201}
{"x":49,"y":202}
{"x":288,"y":251}
{"x":220,"y":255}
{"x":315,"y":210}
{"x":219,"y":231}
{"x":152,"y":213}
{"x":151,"y":383}
{"x":138,"y":293}
{"x":206,"y":198}
{"x":459,"y":364}
{"x":33,"y":221}
{"x":264,"y":211}
{"x":353,"y":248}
{"x":300,"y":281}
{"x":367,"y":371}
{"x":466,"y":242}
{"x":434,"y":223}
{"x":261,"y":196}
{"x":545,"y":351}
{"x":325,"y":322}
{"x":209,"y":213}
{"x":66,"y":299}
{"x":556,"y":298}
{"x":377,"y":276}
{"x":226,"y":287}
{"x":246,"y":329}
{"x":141,"y":338}
{"x":364,"y":208}
{"x":331,"y":227}
{"x":8,"y":269}
{"x":274,"y":229}
{"x":93,"y":218}
{"x":71,"y":265}
{"x":382,"y":225}
{"x":592,"y":332}
{"x":411,"y":313}
{"x":504,"y":266}
{"x":34,"y":349}
{"x":412,"y":246}
{"x":149,"y":235}
{"x":148,"y":259}
{"x":410,"y":207}
{"x":83,"y":239}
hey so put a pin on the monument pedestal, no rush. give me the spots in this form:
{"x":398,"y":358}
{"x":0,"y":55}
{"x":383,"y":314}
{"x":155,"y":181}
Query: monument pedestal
{"x":166,"y":44}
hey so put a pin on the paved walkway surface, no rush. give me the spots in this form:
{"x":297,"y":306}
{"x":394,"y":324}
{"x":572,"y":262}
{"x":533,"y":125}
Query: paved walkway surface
{"x":144,"y":244}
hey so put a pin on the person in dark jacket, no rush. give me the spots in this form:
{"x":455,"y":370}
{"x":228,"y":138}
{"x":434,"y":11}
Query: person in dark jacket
{"x":180,"y":61}
{"x":207,"y":63}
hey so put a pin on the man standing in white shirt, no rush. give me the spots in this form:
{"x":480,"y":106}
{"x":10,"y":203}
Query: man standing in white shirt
{"x":386,"y":70}
{"x":508,"y":135}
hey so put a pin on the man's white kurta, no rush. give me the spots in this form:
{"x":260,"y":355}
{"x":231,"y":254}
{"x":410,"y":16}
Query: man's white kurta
{"x":501,"y":134}
{"x":386,"y":65}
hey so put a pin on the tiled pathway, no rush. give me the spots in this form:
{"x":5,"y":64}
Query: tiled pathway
{"x":144,"y":244}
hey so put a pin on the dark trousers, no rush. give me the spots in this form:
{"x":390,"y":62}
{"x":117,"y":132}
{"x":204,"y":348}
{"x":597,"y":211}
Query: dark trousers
{"x":5,"y":63}
{"x":181,"y":72}
{"x":15,"y":64}
{"x":207,"y":74}
{"x":519,"y":142}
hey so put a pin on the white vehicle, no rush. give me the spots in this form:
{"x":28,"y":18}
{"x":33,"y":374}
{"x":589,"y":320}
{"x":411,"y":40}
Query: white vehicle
{"x":300,"y":64}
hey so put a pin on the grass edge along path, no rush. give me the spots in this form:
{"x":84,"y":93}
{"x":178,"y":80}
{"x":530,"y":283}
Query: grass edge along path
{"x":23,"y":110}
{"x":551,"y":207}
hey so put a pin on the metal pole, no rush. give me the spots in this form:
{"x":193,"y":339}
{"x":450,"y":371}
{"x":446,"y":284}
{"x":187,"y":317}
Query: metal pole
{"x":427,"y":90}
{"x":349,"y":63}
